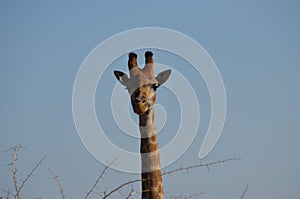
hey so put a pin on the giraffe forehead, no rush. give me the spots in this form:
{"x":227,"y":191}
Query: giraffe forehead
{"x":138,"y":81}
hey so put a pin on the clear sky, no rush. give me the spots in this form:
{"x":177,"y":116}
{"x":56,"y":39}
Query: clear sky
{"x":255,"y":45}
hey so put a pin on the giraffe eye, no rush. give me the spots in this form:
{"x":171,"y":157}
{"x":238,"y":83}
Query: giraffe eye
{"x":155,"y":86}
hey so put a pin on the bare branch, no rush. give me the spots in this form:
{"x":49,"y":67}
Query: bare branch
{"x":244,"y":191}
{"x":15,"y":152}
{"x":8,"y":193}
{"x":31,"y":173}
{"x":56,"y":177}
{"x":171,"y":172}
{"x":12,"y":148}
{"x":14,"y":171}
{"x":198,"y":165}
{"x":121,"y":186}
{"x":131,"y":193}
{"x":98,"y":179}
{"x":186,"y":197}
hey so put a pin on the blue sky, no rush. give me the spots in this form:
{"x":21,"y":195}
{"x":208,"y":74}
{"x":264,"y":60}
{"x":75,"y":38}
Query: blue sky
{"x":255,"y":45}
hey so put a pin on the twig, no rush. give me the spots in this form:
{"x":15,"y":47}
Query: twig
{"x":14,"y":171}
{"x":8,"y":193}
{"x":186,"y":197}
{"x":119,"y":187}
{"x":31,"y":173}
{"x":131,"y":193}
{"x":98,"y":179}
{"x":244,"y":191}
{"x":198,"y":165}
{"x":61,"y":190}
{"x":12,"y":148}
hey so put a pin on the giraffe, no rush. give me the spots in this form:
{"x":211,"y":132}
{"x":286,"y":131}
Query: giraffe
{"x":141,"y":85}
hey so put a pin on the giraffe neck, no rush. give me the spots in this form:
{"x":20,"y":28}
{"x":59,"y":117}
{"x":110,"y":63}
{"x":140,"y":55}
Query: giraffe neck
{"x":151,"y":174}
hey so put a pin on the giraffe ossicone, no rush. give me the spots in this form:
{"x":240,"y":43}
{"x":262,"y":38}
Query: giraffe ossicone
{"x":141,"y":85}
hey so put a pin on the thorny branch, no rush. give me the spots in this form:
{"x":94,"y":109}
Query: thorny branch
{"x":119,"y":187}
{"x":56,"y":177}
{"x":14,"y":171}
{"x":32,"y":171}
{"x":98,"y":179}
{"x":131,"y":193}
{"x":18,"y":188}
{"x":186,"y":197}
{"x":8,"y":193}
{"x":171,"y":172}
{"x":244,"y":191}
{"x":198,"y":165}
{"x":106,"y":195}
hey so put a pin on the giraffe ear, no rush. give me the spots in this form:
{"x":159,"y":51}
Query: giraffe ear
{"x":162,"y":77}
{"x":122,"y":77}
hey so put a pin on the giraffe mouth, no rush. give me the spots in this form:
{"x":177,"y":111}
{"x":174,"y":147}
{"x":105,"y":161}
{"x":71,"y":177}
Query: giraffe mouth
{"x":140,"y":109}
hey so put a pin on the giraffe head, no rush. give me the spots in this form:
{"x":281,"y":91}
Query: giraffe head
{"x":141,"y":83}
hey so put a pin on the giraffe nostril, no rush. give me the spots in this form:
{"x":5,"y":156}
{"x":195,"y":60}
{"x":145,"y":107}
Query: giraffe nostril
{"x":138,"y":100}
